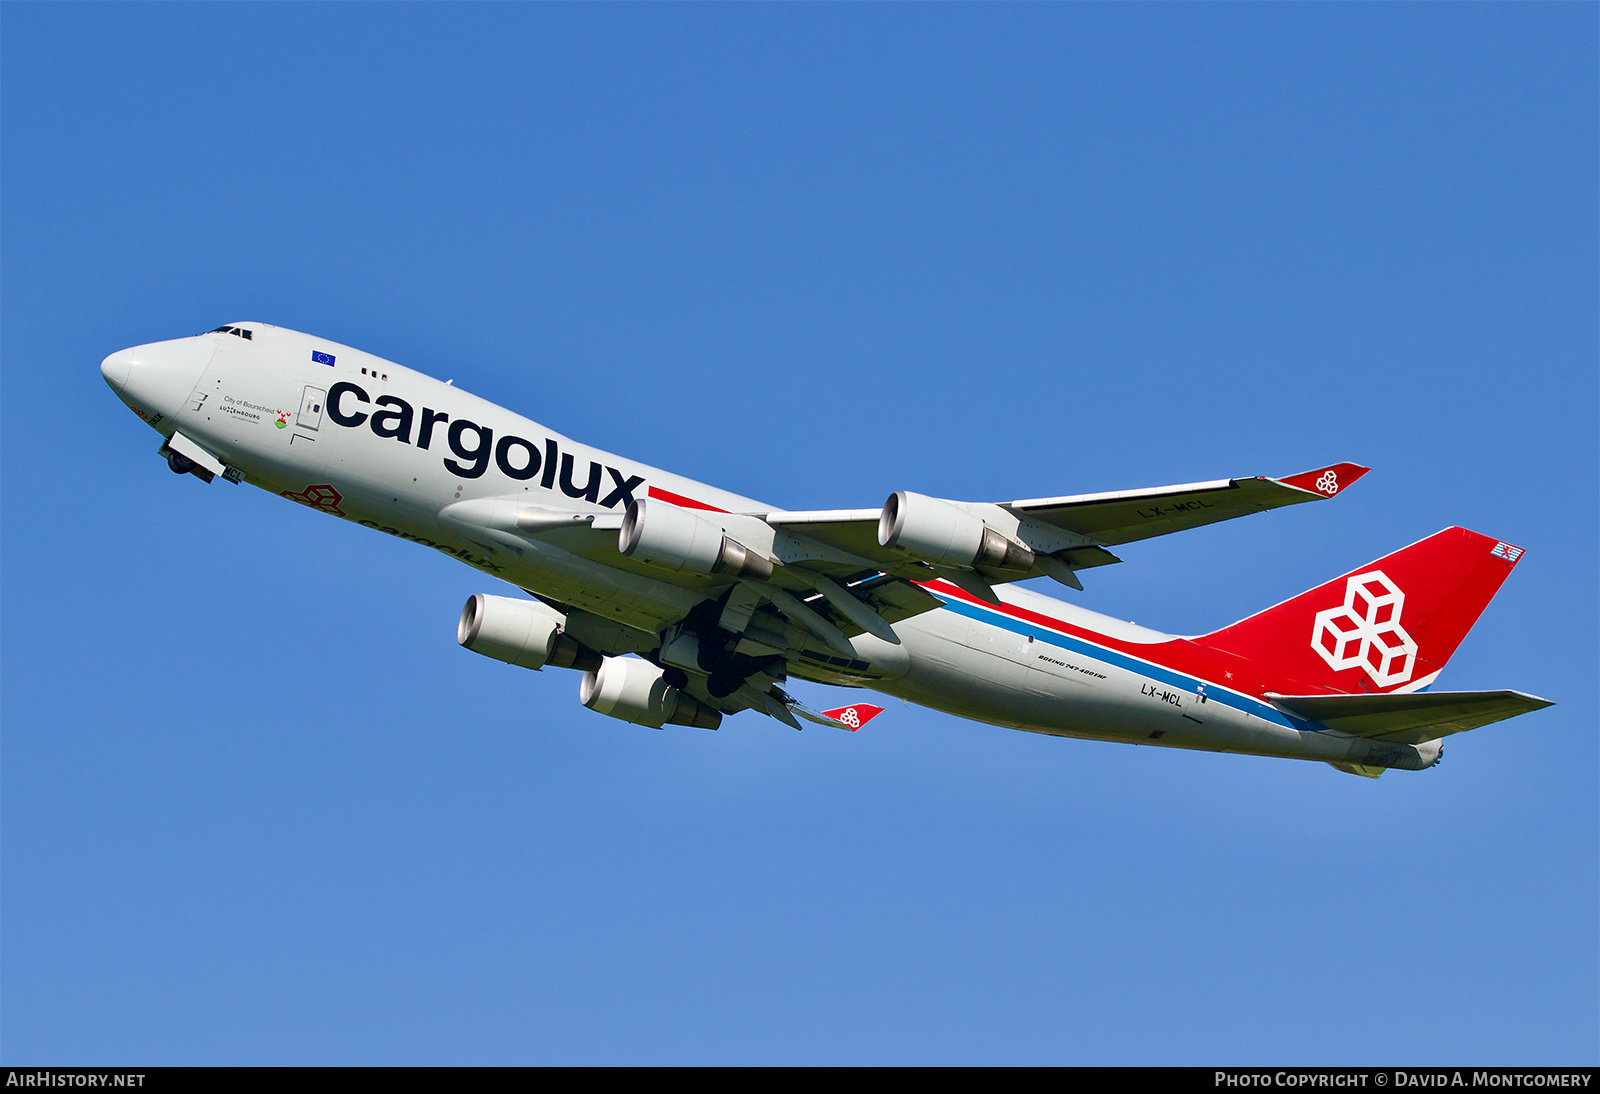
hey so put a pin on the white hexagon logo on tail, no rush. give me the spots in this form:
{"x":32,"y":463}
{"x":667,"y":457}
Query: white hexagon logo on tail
{"x":1366,"y":633}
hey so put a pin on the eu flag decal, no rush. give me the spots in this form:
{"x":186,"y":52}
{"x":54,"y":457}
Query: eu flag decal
{"x":321,"y":358}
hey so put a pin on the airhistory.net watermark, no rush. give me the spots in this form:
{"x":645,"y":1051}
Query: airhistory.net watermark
{"x":37,"y":1077}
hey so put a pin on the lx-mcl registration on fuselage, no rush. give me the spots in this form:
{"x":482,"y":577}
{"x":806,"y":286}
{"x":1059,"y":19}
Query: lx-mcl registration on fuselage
{"x":682,"y":603}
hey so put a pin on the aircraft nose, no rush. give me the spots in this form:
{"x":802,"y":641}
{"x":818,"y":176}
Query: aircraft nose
{"x":116,"y":369}
{"x":155,"y":379}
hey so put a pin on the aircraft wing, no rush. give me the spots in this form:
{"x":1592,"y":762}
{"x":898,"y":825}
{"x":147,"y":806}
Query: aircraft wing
{"x":1072,"y":533}
{"x":827,"y":571}
{"x":1127,"y":515}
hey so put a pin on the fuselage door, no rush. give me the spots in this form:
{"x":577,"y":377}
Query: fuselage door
{"x":311,"y":407}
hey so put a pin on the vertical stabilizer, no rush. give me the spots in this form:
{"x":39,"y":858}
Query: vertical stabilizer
{"x":1389,"y":626}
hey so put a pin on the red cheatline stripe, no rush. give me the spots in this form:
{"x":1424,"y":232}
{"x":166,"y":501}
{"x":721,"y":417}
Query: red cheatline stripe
{"x":679,"y":499}
{"x":1141,"y":650}
{"x":1175,"y":653}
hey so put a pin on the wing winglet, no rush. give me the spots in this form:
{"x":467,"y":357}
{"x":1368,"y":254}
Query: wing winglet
{"x":1326,"y":481}
{"x":853,"y":717}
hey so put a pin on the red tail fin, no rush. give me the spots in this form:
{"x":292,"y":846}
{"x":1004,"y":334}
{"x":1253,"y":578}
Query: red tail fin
{"x":1389,"y":626}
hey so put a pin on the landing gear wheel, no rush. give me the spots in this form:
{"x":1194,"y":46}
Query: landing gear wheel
{"x":179,"y":463}
{"x":721,"y":685}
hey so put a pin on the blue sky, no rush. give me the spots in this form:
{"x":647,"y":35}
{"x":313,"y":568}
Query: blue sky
{"x":258,"y":807}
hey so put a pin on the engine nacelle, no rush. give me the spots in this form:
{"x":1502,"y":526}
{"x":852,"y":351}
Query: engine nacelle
{"x":637,"y":691}
{"x":947,"y":535}
{"x":675,"y":539}
{"x":526,"y":633}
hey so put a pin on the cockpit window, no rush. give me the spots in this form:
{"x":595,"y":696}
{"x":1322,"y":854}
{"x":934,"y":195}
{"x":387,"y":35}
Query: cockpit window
{"x":239,"y":331}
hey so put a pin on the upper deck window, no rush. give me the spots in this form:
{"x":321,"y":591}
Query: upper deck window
{"x":239,"y":331}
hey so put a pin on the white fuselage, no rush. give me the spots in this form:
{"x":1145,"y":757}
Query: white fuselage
{"x":402,"y":448}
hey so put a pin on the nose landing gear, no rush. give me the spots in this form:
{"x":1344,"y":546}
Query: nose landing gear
{"x":185,"y":457}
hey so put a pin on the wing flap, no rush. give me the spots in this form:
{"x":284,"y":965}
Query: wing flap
{"x":1409,"y":718}
{"x":892,"y":598}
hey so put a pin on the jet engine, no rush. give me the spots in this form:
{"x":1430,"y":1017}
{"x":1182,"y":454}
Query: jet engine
{"x":947,"y":535}
{"x":526,"y":633}
{"x":637,"y":691}
{"x":675,"y":539}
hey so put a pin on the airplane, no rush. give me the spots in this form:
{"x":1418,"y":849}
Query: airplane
{"x":681,"y":604}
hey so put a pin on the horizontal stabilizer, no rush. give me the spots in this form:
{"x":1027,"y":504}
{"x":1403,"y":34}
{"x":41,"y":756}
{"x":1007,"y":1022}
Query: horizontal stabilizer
{"x":1408,"y":718}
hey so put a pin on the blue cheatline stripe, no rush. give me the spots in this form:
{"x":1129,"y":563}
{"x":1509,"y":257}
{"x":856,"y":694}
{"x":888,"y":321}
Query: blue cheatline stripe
{"x":1148,"y":669}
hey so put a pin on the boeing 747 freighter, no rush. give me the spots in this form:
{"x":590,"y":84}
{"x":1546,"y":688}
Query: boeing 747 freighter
{"x":679,"y":603}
